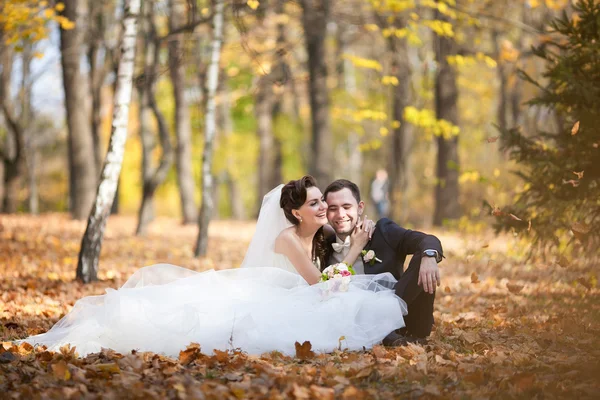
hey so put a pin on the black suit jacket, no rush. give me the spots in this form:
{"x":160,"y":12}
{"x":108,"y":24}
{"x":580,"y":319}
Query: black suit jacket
{"x":391,"y":244}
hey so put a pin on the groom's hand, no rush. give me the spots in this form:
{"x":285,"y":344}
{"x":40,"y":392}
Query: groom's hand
{"x":429,"y":274}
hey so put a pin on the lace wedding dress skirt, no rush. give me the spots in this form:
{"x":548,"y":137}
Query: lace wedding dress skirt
{"x":163,"y":308}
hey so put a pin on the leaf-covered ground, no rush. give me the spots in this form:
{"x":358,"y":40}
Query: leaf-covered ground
{"x":504,"y":328}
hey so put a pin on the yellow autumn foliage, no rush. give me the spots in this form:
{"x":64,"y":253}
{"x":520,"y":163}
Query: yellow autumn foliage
{"x":26,"y":21}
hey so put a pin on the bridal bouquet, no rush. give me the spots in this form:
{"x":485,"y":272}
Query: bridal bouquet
{"x":337,"y":277}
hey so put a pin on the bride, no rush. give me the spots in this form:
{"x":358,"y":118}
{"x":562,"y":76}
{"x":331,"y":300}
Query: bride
{"x":273,"y":300}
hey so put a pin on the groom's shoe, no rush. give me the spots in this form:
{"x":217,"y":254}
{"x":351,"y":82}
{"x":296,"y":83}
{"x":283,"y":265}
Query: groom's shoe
{"x":394,"y":340}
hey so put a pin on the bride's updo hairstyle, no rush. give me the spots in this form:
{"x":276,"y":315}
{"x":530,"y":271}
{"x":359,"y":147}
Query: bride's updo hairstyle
{"x":293,"y":196}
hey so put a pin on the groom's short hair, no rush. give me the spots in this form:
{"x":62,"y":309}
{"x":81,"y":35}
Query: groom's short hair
{"x":340,"y":184}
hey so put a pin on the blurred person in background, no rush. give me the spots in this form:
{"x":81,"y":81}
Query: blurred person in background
{"x":379,"y":193}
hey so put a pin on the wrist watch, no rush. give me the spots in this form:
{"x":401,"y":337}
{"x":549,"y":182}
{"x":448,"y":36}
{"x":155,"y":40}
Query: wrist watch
{"x":433,"y":253}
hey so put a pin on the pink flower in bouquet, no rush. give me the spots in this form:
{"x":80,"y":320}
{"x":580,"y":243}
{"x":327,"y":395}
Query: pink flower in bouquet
{"x":346,"y":273}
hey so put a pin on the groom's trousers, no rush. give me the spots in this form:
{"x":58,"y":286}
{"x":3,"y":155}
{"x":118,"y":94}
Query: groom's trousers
{"x":419,"y":320}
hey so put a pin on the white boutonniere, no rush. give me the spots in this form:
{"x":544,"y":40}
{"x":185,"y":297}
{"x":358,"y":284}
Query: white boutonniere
{"x":370,"y":257}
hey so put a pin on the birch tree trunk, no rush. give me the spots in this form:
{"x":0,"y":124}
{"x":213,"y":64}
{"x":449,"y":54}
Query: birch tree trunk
{"x":210,"y":127}
{"x":87,"y":266}
{"x":314,"y":19}
{"x":446,"y":107}
{"x":83,"y":175}
{"x":183,"y":127}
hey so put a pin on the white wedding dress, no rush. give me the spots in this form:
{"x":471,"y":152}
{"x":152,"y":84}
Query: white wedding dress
{"x":262,"y":306}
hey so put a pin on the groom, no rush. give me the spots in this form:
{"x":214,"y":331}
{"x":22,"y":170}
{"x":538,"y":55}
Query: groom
{"x":390,"y":244}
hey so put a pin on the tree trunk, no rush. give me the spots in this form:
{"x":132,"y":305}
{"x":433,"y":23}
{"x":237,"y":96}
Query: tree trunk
{"x":158,"y":175}
{"x":502,"y":77}
{"x":114,"y":209}
{"x":183,"y":128}
{"x":264,"y":118}
{"x":95,"y":82}
{"x":34,"y":199}
{"x":13,"y":152}
{"x":146,"y":210}
{"x":446,"y":107}
{"x":314,"y":18}
{"x":87,"y":266}
{"x":400,"y":141}
{"x":347,"y":81}
{"x":26,"y":122}
{"x":268,"y":169}
{"x":281,"y":44}
{"x":100,"y":59}
{"x":8,"y":147}
{"x":82,"y":168}
{"x":210,"y":127}
{"x":235,"y":198}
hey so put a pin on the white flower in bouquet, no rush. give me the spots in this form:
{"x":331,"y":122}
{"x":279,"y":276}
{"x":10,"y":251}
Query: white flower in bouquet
{"x":337,"y":277}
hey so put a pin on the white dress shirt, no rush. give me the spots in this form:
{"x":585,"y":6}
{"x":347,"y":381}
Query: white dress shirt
{"x":358,"y":265}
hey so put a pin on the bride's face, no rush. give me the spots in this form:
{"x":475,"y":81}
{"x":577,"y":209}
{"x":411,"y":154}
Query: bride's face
{"x":343,"y":211}
{"x":314,"y":209}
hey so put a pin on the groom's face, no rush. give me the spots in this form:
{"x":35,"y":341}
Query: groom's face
{"x":343,"y":211}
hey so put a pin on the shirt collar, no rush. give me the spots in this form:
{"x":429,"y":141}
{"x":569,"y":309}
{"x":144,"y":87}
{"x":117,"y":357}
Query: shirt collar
{"x":340,"y":241}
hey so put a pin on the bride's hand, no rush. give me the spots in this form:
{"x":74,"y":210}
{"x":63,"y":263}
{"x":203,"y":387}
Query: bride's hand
{"x":369,"y":226}
{"x":362,"y":233}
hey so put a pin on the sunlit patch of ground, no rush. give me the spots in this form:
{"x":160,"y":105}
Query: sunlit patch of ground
{"x":505,"y":328}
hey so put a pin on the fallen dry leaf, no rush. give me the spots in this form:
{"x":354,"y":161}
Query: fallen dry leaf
{"x":514,"y":288}
{"x":492,"y":139}
{"x":474,"y":277}
{"x":585,"y":283}
{"x":189,"y":354}
{"x":303,"y":351}
{"x":380,"y":351}
{"x":61,"y":371}
{"x":571,"y":182}
{"x":575,"y":128}
{"x":447,"y":289}
{"x":523,"y":381}
{"x":579,"y":174}
{"x":580,"y":230}
{"x":563,"y":262}
{"x":515,"y":217}
{"x":112,"y":368}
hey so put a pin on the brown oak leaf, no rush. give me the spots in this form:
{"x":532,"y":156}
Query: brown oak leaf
{"x":303,"y":351}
